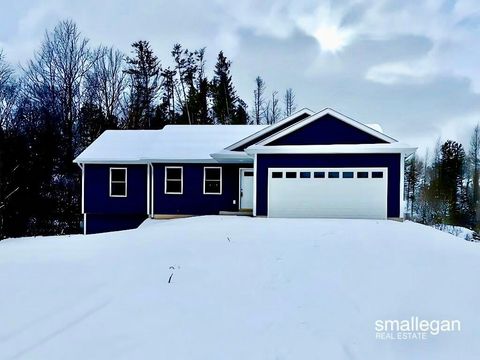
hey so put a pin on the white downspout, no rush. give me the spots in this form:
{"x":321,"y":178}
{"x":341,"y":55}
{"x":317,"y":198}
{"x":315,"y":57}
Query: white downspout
{"x":82,"y":166}
{"x":148,"y":189}
{"x":152,"y":191}
{"x":402,"y":185}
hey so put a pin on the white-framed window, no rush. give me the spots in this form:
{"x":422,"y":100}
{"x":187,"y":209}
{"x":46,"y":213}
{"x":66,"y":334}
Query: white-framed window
{"x":173,"y":180}
{"x":118,"y":182}
{"x":212,"y":180}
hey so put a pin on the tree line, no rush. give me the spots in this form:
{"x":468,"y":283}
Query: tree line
{"x":443,"y":187}
{"x":68,"y":93}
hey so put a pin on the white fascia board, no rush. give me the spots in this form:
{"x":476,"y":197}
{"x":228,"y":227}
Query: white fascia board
{"x":334,"y":113}
{"x":146,"y":161}
{"x":270,"y":128}
{"x":332,"y":149}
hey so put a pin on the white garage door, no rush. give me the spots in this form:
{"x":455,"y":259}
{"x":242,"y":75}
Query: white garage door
{"x":328,"y":192}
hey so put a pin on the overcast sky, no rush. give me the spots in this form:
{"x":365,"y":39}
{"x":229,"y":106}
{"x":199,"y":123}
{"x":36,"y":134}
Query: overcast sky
{"x":412,"y":66}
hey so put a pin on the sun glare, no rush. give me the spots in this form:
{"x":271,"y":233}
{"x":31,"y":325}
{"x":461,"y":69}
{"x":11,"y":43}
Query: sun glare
{"x":331,"y":38}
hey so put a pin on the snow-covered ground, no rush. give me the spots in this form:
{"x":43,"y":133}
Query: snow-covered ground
{"x":459,"y":231}
{"x":240,"y":288}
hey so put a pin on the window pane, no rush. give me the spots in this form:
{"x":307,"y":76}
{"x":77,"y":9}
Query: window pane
{"x":212,"y":187}
{"x":333,"y":174}
{"x":362,"y":174}
{"x":290,"y":175}
{"x":277,"y":174}
{"x":174,"y":186}
{"x":305,"y":175}
{"x":212,"y":174}
{"x":248,"y":173}
{"x":377,"y":174}
{"x":319,"y":174}
{"x":118,"y":189}
{"x":175,"y":173}
{"x":118,"y":174}
{"x":347,"y":175}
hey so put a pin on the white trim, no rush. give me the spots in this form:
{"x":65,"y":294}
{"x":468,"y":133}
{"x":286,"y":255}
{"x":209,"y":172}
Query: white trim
{"x":84,"y":224}
{"x":332,"y":149}
{"x":402,"y":186}
{"x":118,"y":182}
{"x":148,"y":189}
{"x":204,"y":179}
{"x":152,"y":193}
{"x":82,"y":166}
{"x":337,"y":115}
{"x":144,"y":161}
{"x":326,"y":170}
{"x":181,"y":180}
{"x":270,"y":128}
{"x":255,"y":185}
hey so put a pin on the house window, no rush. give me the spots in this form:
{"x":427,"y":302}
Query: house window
{"x":212,"y":180}
{"x":118,"y":182}
{"x":347,"y":174}
{"x":362,"y":175}
{"x":319,"y":174}
{"x":377,"y":174}
{"x":305,"y":175}
{"x":173,"y":180}
{"x":277,"y":175}
{"x":291,"y":175}
{"x":333,"y":175}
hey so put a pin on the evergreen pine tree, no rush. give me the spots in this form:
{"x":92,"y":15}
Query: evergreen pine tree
{"x":223,"y":92}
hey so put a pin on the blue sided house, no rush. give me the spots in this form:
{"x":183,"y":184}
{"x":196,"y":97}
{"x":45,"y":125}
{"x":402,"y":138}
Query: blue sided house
{"x":310,"y":164}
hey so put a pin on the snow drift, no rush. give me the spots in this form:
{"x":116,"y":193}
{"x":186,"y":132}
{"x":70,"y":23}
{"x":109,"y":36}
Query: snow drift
{"x":238,"y":288}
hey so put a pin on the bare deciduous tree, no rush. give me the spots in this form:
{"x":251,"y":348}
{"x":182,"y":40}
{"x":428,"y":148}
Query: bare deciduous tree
{"x":55,"y":77}
{"x":259,"y":100}
{"x":106,"y":81}
{"x":289,"y":102}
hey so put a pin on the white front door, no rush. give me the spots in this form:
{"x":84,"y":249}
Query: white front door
{"x":246,"y":189}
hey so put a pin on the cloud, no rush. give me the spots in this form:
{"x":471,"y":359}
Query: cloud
{"x":399,"y":72}
{"x":410,"y":65}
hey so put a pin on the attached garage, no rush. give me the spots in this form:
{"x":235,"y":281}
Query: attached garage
{"x":328,"y":192}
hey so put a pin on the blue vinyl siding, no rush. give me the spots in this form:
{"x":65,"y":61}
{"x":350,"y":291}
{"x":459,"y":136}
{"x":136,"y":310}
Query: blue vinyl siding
{"x":99,"y":223}
{"x":284,"y":125}
{"x":105,"y":213}
{"x":391,"y":161}
{"x":193,"y":201}
{"x":326,"y":131}
{"x":97,"y":197}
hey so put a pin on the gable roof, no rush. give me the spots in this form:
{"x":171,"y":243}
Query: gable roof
{"x":174,"y":143}
{"x":373,"y":130}
{"x":290,"y":120}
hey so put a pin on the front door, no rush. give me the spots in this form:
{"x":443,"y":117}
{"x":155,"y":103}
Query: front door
{"x":246,"y":189}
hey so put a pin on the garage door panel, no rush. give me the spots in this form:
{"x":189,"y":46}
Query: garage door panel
{"x":327,"y":197}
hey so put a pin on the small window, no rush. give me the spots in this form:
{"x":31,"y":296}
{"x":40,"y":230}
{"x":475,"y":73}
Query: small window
{"x":248,"y":173}
{"x":362,"y":175}
{"x":277,"y":175}
{"x":118,"y":182}
{"x":333,"y":175}
{"x":173,"y":180}
{"x":319,"y":174}
{"x":377,"y":174}
{"x":212,"y":180}
{"x":347,"y":174}
{"x":305,"y":175}
{"x":291,"y":175}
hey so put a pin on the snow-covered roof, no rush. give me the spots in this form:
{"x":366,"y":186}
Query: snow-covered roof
{"x":172,"y":143}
